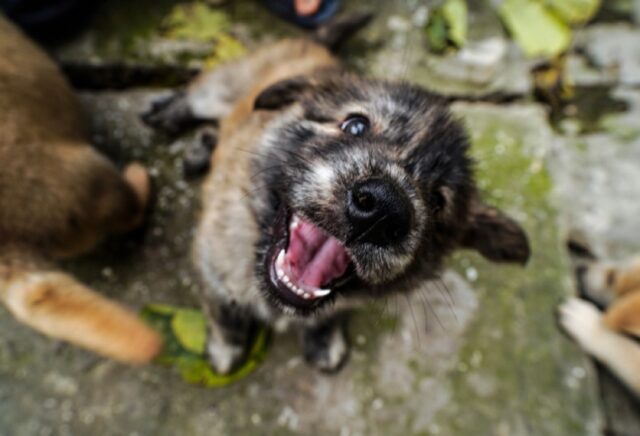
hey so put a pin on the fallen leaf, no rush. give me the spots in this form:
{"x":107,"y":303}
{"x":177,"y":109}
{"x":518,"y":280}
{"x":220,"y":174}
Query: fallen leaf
{"x":574,"y":11}
{"x":196,"y":22}
{"x":455,"y":15}
{"x":184,"y":333}
{"x":437,"y":33}
{"x":536,"y":29}
{"x":190,"y":328}
{"x":448,"y":25}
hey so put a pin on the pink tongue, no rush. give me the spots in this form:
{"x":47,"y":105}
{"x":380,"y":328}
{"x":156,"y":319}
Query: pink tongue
{"x":313,"y":257}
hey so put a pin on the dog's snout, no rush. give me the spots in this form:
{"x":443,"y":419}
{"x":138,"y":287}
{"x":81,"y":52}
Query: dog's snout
{"x":379,"y":212}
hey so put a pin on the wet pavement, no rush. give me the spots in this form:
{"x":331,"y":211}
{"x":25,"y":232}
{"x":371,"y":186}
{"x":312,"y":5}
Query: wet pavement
{"x":476,"y":353}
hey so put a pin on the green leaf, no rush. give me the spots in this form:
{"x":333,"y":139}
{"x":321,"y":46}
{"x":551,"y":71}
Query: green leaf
{"x":198,"y":371}
{"x":455,"y":14}
{"x":196,"y":21}
{"x":536,"y":29}
{"x":184,"y":333}
{"x":448,"y":25}
{"x":574,"y":11}
{"x":161,"y":309}
{"x":190,"y":328}
{"x":437,"y":33}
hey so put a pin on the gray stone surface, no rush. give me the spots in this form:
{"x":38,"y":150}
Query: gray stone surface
{"x":489,"y":65}
{"x":614,"y":48}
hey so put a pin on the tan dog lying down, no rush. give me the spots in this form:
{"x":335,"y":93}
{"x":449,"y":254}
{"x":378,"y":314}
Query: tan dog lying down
{"x":58,"y":198}
{"x":609,"y":336}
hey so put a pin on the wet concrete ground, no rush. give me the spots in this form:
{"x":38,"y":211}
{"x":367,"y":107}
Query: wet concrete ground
{"x":478,"y":353}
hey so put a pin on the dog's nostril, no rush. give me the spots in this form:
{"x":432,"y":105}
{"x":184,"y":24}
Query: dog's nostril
{"x":364,"y":201}
{"x":379,"y":212}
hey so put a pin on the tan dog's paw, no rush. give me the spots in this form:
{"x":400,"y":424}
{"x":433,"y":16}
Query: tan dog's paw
{"x":582,"y":321}
{"x":138,"y":178}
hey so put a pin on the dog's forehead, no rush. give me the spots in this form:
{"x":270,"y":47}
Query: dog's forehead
{"x":387,"y":99}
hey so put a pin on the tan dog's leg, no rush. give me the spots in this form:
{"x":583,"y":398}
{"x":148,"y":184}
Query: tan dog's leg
{"x":586,"y":325}
{"x":57,"y":305}
{"x":624,"y":314}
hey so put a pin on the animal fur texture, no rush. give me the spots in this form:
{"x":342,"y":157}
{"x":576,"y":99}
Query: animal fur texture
{"x":58,"y":198}
{"x":327,"y":189}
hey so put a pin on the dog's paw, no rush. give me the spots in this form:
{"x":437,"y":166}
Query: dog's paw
{"x":171,"y":114}
{"x":225,"y":357}
{"x":582,"y":321}
{"x":197,"y":157}
{"x":326,"y":348}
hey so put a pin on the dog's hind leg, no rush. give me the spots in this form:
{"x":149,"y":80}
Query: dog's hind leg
{"x":588,"y":327}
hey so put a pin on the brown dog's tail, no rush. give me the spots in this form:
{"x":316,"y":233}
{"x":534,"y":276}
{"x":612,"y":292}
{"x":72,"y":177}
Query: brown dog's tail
{"x":59,"y":306}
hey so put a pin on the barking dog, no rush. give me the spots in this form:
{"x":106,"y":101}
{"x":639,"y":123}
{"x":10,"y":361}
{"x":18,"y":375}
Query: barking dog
{"x":327,"y":189}
{"x":608,"y":336}
{"x":58,"y":197}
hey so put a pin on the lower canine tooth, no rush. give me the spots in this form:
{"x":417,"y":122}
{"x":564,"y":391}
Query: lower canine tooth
{"x":321,"y":293}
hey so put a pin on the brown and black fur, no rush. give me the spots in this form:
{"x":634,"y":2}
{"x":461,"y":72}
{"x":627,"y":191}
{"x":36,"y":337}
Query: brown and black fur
{"x":611,"y":334}
{"x":281,"y":151}
{"x":58,"y":198}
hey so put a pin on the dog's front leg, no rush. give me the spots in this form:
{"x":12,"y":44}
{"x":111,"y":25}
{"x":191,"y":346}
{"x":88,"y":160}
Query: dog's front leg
{"x":325,"y":343}
{"x":231,"y":330}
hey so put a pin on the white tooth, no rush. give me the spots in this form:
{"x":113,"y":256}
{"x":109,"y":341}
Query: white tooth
{"x":279,"y":273}
{"x":318,"y":293}
{"x":286,"y":279}
{"x":306,"y":296}
{"x":280,"y":259}
{"x":299,"y":291}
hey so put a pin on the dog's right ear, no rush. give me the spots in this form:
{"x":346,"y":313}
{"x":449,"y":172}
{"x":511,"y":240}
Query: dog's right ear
{"x":282,"y":93}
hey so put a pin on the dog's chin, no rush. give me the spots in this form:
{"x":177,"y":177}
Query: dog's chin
{"x":305,"y":267}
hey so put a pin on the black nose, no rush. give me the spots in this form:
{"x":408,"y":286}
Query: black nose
{"x":379,"y":212}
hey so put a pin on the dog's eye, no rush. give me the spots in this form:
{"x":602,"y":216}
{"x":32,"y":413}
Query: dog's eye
{"x":355,"y":125}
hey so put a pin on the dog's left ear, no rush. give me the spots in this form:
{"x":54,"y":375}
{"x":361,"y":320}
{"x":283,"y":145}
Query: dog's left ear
{"x":496,"y":236}
{"x":282,"y":93}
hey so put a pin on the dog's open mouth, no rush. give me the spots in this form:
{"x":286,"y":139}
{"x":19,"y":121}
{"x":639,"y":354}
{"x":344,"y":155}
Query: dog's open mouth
{"x":307,"y":265}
